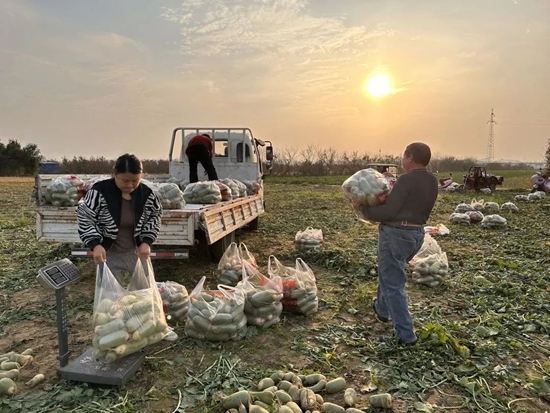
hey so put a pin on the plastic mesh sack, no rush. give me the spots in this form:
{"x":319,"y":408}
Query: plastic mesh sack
{"x":309,"y":239}
{"x":204,"y":192}
{"x":175,"y":300}
{"x":64,"y":191}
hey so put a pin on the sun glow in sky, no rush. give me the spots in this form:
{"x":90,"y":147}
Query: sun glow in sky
{"x":379,"y":85}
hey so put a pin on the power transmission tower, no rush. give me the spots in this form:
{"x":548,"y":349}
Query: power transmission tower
{"x":491,"y":141}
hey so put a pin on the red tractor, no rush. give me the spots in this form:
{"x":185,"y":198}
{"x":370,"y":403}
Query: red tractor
{"x":478,"y":178}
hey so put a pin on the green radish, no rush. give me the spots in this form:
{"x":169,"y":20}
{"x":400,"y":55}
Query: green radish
{"x":261,"y":404}
{"x":130,"y":347}
{"x":294,"y":392}
{"x":39,"y":378}
{"x":319,"y":399}
{"x":283,"y":396}
{"x":265,"y":383}
{"x":265,"y":396}
{"x":383,"y":400}
{"x":137,"y":321}
{"x":277,"y":376}
{"x":222,"y":318}
{"x":155,"y":338}
{"x":23,"y":360}
{"x":128,"y":300}
{"x":104,"y":305}
{"x":141,"y":307}
{"x":294,"y":407}
{"x":99,"y":354}
{"x":111,"y":356}
{"x":114,"y":339}
{"x":262,"y":298}
{"x":319,"y":387}
{"x":257,"y":409}
{"x":10,"y":374}
{"x":352,"y":410}
{"x":113,"y":326}
{"x":28,"y":352}
{"x":224,"y":329}
{"x":144,"y":331}
{"x":288,"y":376}
{"x":233,"y":401}
{"x":336,"y":385}
{"x":9,"y":365}
{"x":284,"y":385}
{"x":101,"y":318}
{"x":201,"y":324}
{"x":307,"y":399}
{"x":286,"y":409}
{"x":161,"y":327}
{"x":332,"y":408}
{"x":349,"y":397}
{"x":7,"y":386}
{"x":312,"y":379}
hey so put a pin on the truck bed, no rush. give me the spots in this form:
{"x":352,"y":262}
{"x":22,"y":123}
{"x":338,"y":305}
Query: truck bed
{"x":178,"y":226}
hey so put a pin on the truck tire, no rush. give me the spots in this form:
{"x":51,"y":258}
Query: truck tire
{"x":493,"y":188}
{"x":218,"y":248}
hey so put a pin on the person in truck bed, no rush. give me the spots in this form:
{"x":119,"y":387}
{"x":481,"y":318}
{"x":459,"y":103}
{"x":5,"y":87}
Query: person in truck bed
{"x":200,"y":149}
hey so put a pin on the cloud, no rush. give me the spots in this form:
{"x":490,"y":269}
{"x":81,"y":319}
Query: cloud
{"x":288,"y":56}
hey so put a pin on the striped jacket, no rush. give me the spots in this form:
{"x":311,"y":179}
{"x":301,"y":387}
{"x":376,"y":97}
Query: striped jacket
{"x":99,"y":214}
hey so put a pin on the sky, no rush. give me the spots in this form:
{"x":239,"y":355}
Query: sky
{"x":101,"y":78}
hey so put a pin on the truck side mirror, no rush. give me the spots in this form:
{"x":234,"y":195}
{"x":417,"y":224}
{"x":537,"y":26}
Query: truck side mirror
{"x":269,"y":153}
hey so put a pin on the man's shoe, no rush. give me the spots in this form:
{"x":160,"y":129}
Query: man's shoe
{"x":378,"y":316}
{"x":398,"y":341}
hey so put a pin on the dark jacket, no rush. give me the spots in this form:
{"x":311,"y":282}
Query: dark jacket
{"x":99,"y":214}
{"x":200,"y":140}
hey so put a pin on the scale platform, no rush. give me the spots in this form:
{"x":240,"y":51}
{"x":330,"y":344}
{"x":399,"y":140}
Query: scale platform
{"x":86,"y":369}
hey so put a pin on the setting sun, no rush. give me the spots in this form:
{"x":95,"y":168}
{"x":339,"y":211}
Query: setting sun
{"x":379,"y":85}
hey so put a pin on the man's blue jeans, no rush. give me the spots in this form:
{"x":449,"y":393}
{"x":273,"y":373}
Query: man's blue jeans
{"x":397,"y":245}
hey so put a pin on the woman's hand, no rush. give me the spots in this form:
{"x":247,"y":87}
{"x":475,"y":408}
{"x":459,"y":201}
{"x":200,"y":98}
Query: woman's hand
{"x":144,"y":251}
{"x":100,"y":255}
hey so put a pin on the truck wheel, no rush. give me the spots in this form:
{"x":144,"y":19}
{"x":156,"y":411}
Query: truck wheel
{"x":218,"y":248}
{"x":493,"y":188}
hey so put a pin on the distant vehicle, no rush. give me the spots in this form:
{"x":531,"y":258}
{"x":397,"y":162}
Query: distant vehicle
{"x":478,"y":178}
{"x":540,"y":182}
{"x":49,"y":167}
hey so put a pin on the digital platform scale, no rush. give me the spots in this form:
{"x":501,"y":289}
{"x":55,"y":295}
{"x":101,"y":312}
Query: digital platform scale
{"x":85,"y":368}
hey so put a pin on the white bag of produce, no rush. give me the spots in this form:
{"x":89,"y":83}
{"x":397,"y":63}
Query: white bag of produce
{"x":175,"y":300}
{"x":367,"y":186}
{"x":152,"y":185}
{"x":242,"y":188}
{"x":509,"y":206}
{"x":64,"y":191}
{"x":225,"y":191}
{"x":475,"y":216}
{"x":430,"y":270}
{"x":235,"y":190}
{"x":230,"y":266}
{"x":453,"y":187}
{"x":90,"y":182}
{"x":310,"y":239}
{"x":263,"y":295}
{"x":486,"y":191}
{"x":171,"y":196}
{"x":493,"y":221}
{"x":463,"y":207}
{"x":246,"y":255}
{"x":478,"y":205}
{"x":299,"y":286}
{"x":457,"y":218}
{"x":126,"y":320}
{"x":183,"y":184}
{"x":521,"y":198}
{"x":204,"y":192}
{"x":252,"y":187}
{"x":216,"y":315}
{"x":491,"y":207}
{"x":536,"y":196}
{"x":429,"y":247}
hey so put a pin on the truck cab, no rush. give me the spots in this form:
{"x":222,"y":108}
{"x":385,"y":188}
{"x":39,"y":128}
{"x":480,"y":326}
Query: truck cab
{"x":237,"y":154}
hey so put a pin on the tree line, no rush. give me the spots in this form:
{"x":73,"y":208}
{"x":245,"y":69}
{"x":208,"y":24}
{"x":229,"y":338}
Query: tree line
{"x":313,"y":160}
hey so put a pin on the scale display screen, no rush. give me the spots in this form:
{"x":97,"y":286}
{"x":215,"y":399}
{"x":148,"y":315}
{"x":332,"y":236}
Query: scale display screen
{"x":58,"y":274}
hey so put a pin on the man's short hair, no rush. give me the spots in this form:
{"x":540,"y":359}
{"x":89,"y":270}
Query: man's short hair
{"x":420,"y":153}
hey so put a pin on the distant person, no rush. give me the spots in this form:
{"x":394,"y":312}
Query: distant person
{"x":200,"y":149}
{"x":400,"y":236}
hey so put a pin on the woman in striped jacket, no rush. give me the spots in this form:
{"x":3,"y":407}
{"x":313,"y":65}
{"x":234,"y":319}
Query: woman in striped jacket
{"x":120,"y":217}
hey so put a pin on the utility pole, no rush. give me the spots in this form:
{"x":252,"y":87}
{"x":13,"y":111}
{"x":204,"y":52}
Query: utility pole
{"x":491,"y":141}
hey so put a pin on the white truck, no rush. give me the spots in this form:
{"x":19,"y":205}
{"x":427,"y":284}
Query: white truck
{"x":238,"y":155}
